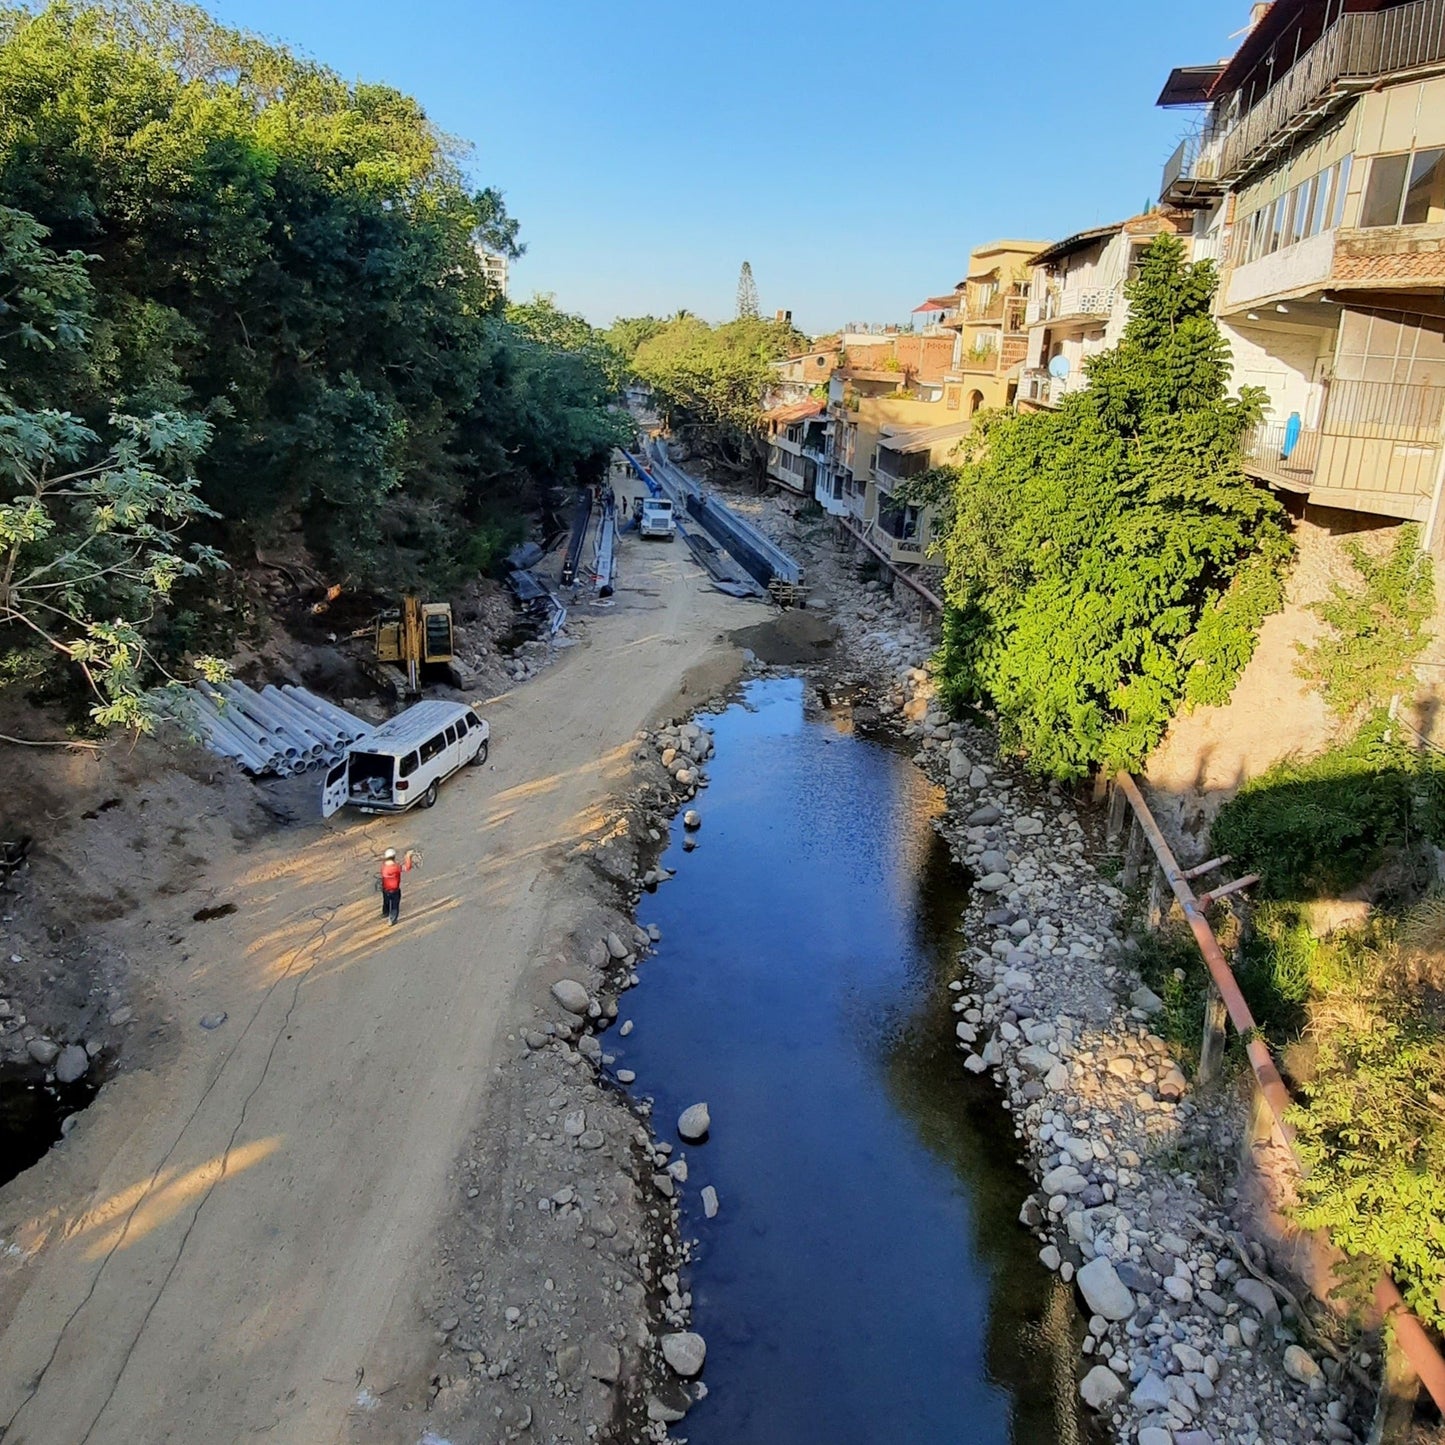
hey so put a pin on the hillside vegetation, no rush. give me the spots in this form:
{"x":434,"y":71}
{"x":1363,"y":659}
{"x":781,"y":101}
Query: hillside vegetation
{"x":274,"y":274}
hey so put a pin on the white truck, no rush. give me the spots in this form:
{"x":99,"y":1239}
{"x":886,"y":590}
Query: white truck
{"x":657,"y":519}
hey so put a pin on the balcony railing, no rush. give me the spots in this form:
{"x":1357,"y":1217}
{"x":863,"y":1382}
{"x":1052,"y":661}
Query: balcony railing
{"x":1193,"y":170}
{"x":1077,"y":300}
{"x":1376,"y":448}
{"x":1357,"y":49}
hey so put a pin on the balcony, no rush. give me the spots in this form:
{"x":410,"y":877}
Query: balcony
{"x":979,"y":363}
{"x":1357,"y":50}
{"x":1191,"y":174}
{"x":1370,"y":258}
{"x":1081,"y":302}
{"x":829,"y":490}
{"x":900,"y":532}
{"x":1038,"y":389}
{"x":1376,"y":449}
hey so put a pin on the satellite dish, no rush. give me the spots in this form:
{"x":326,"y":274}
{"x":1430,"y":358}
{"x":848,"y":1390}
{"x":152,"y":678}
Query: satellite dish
{"x":1059,"y":367}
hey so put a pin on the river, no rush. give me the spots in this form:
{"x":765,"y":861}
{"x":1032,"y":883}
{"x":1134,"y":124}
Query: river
{"x":866,"y":1279}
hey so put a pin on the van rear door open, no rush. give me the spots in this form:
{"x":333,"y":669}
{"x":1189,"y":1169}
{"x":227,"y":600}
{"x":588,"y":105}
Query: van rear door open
{"x":336,"y":791}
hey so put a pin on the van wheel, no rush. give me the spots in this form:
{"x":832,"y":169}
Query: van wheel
{"x":481,"y":754}
{"x":429,"y":797}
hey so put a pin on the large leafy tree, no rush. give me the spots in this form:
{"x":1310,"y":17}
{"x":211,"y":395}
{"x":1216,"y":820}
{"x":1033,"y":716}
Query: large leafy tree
{"x":293,"y":259}
{"x":90,"y":526}
{"x":1109,"y":560}
{"x":709,"y":381}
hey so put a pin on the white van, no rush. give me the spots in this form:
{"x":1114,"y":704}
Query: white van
{"x":657,"y":519}
{"x":405,"y":761}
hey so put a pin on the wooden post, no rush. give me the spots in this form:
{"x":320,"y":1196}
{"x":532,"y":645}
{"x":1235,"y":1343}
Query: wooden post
{"x":1399,"y":1390}
{"x":1133,"y":854}
{"x":1154,"y":915}
{"x":1118,"y":809}
{"x":1211,"y":1046}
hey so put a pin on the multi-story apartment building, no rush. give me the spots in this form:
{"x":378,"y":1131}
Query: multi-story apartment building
{"x":495,"y":269}
{"x":880,"y":428}
{"x":990,"y":317}
{"x":1316,"y":170}
{"x":1076,"y":301}
{"x":789,"y":466}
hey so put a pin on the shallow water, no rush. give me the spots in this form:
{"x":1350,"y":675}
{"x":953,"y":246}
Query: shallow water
{"x":866,"y":1279}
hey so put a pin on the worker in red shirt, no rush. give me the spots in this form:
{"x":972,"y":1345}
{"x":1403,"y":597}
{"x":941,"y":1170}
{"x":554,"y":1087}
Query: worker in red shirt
{"x":391,"y":872}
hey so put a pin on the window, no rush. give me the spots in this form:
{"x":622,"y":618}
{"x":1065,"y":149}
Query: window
{"x":473,"y":722}
{"x":454,"y":733}
{"x":1403,"y":190}
{"x":1299,"y":210}
{"x":433,"y":747}
{"x":408,"y":766}
{"x":1422,"y":191}
{"x":1276,"y":225}
{"x":1315,"y":205}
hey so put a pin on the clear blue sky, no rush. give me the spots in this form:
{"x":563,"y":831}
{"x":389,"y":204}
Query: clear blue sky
{"x":852,"y":151}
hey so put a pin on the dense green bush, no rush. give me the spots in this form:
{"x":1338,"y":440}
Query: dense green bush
{"x":1109,"y":560}
{"x":273,"y":275}
{"x":1318,"y":827}
{"x":1371,"y":1133}
{"x":292,"y":258}
{"x":1376,"y":629}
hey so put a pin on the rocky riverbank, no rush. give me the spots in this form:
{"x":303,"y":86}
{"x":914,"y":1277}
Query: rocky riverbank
{"x":1190,"y":1340}
{"x":562,"y":1314}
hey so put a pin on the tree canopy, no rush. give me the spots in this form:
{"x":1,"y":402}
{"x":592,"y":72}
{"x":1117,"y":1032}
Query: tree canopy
{"x":288,"y":263}
{"x":1109,"y":560}
{"x":709,"y":381}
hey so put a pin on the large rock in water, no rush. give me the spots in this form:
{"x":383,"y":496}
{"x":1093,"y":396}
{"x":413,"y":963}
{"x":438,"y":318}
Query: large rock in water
{"x":571,"y":995}
{"x":694,"y":1122}
{"x":72,"y":1064}
{"x":1104,"y":1292}
{"x":685,"y":1352}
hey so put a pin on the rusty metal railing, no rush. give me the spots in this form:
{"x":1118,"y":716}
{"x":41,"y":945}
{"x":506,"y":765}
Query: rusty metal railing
{"x":1417,"y":1345}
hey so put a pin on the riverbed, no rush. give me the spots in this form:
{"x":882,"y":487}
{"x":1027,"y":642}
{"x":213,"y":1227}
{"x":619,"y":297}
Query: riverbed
{"x":865,"y":1278}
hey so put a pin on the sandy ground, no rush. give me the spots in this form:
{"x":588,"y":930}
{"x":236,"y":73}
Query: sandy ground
{"x":229,"y":1242}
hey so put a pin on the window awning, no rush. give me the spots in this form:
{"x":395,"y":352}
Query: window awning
{"x":1189,"y":84}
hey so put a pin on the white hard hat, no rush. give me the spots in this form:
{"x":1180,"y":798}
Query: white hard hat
{"x":390,"y":853}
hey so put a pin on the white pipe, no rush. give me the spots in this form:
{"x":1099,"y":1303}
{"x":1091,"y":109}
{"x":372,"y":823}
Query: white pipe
{"x":231,"y":713}
{"x":353,"y":726}
{"x":229,"y":719}
{"x":320,"y":729}
{"x":320,"y":717}
{"x":264,"y":711}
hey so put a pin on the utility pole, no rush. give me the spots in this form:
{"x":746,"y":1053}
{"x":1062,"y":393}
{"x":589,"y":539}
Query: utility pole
{"x":747,"y":294}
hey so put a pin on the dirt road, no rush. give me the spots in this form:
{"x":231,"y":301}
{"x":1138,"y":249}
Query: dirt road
{"x":224,"y":1243}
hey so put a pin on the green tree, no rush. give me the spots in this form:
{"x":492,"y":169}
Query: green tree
{"x":1109,"y":560}
{"x":1376,"y":629}
{"x":292,"y":259}
{"x":709,"y":383}
{"x":90,"y":545}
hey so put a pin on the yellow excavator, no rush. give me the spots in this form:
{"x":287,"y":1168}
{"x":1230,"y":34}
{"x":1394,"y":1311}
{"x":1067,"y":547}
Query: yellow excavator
{"x":414,"y":635}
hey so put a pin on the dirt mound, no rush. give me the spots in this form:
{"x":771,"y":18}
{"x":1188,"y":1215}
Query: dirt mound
{"x":792,"y":636}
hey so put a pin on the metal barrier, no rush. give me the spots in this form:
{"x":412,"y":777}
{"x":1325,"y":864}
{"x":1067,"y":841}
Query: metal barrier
{"x":1225,"y":997}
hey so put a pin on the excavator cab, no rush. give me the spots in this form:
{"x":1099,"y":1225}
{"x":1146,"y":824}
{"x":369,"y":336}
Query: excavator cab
{"x":416,"y":635}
